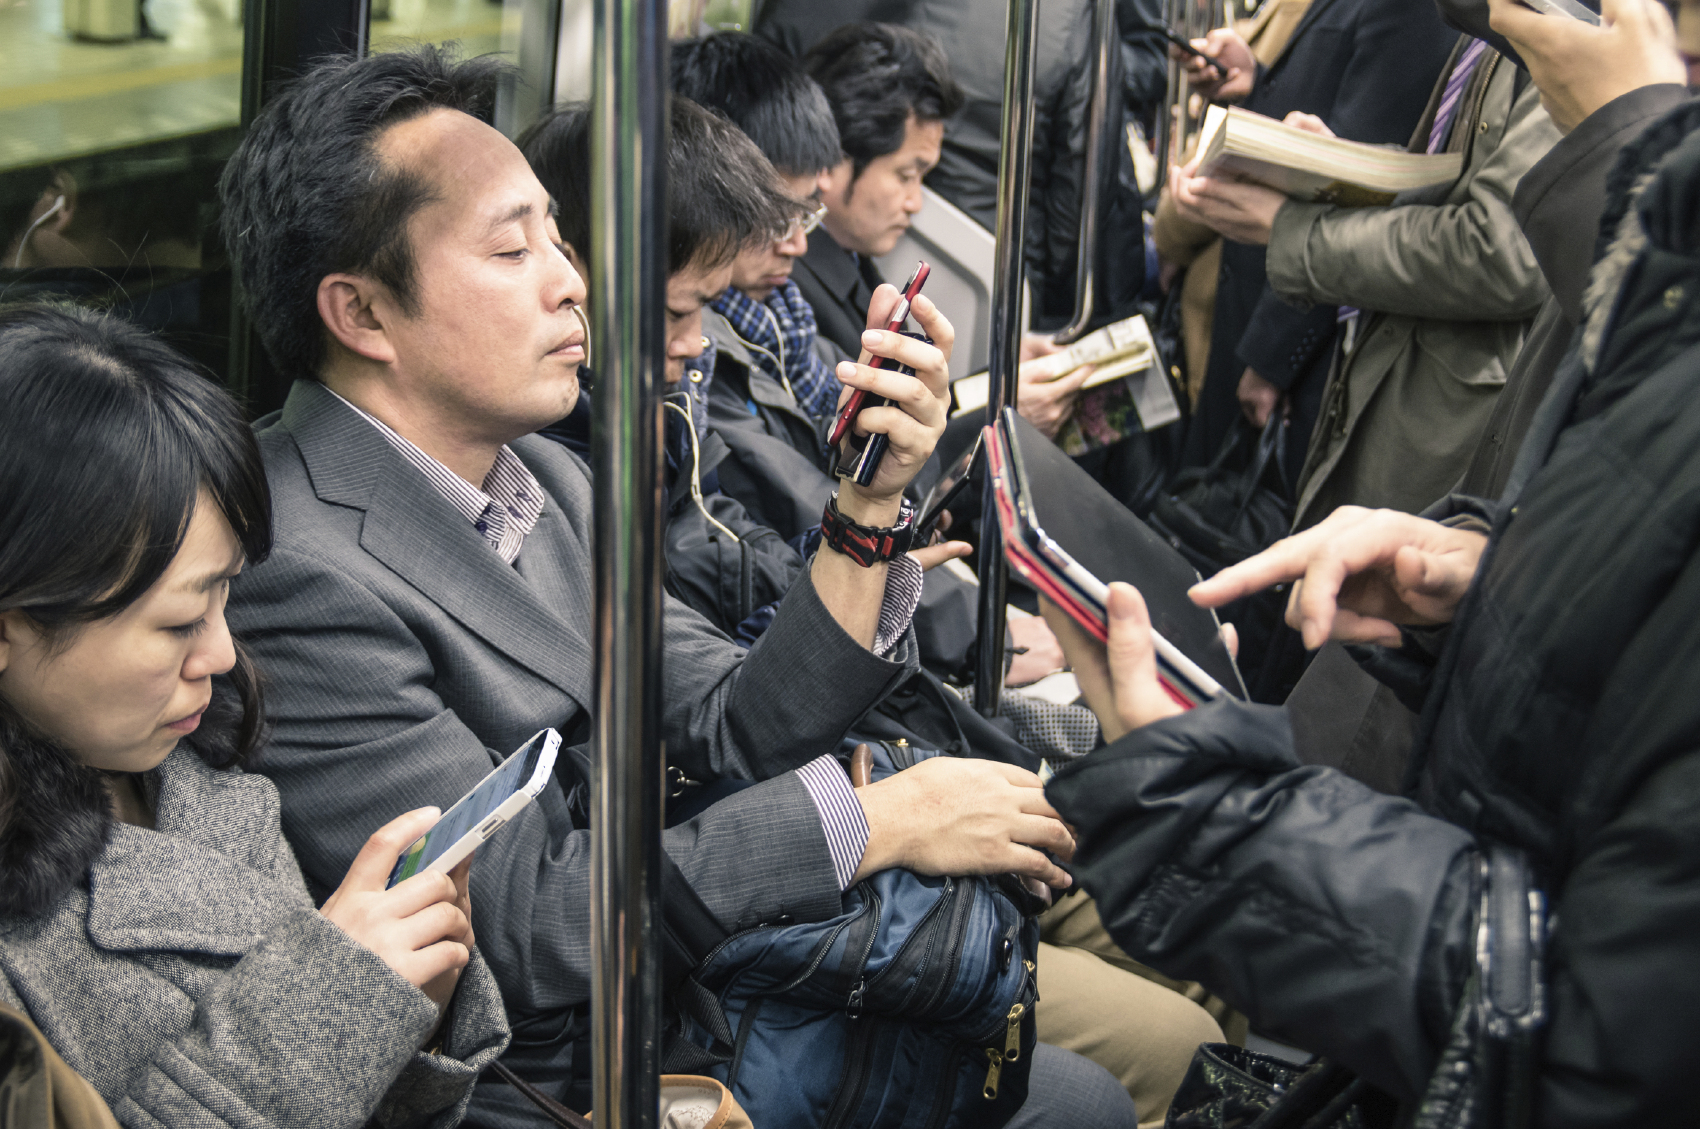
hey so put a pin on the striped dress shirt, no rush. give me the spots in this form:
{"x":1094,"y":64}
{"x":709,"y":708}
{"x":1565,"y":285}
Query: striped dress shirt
{"x":507,"y":509}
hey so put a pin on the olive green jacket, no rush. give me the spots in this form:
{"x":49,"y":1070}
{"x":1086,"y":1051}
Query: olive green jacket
{"x":1448,"y":287}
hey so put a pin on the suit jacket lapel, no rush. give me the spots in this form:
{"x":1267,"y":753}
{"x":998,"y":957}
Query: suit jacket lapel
{"x":419,"y":536}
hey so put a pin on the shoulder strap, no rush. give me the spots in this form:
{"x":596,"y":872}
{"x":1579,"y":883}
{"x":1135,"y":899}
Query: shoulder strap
{"x":557,"y":1113}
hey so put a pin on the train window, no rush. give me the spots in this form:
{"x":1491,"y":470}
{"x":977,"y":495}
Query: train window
{"x":476,"y":24}
{"x":115,"y":118}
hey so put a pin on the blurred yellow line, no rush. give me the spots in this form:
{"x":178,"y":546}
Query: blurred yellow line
{"x":439,"y":34}
{"x":94,"y":85}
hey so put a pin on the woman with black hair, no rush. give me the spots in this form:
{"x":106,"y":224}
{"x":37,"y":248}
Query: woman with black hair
{"x":153,"y":921}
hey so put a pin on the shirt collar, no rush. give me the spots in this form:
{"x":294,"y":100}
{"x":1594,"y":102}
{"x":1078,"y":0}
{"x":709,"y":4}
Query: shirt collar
{"x":503,"y":512}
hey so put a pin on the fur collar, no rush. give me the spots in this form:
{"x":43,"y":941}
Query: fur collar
{"x":55,"y":818}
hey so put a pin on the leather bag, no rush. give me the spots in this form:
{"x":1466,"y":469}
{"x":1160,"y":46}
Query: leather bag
{"x":1218,"y":515}
{"x":37,"y":1089}
{"x":1485,"y":1078}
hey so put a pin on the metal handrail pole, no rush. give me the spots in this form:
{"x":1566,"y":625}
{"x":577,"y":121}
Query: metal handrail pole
{"x":1092,"y":187}
{"x":1009,"y":264}
{"x":1168,"y":122}
{"x":628,"y":217}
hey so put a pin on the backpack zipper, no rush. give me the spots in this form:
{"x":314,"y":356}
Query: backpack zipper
{"x":1010,"y":1051}
{"x":921,"y":941}
{"x":947,"y":1089}
{"x":963,"y":911}
{"x":856,"y":1071}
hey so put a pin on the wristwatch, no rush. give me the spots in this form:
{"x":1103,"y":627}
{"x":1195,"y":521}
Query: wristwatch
{"x":867,"y":545}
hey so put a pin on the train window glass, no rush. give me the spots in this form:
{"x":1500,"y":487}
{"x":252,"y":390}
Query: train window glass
{"x":476,"y":24}
{"x":115,"y":118}
{"x":727,"y":15}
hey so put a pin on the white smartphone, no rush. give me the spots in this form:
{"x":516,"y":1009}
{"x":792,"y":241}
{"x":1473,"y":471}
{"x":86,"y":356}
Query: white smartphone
{"x":483,"y":811}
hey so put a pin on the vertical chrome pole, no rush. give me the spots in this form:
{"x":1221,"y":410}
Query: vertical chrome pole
{"x":1174,"y":97}
{"x":628,"y":217}
{"x":1092,"y":172}
{"x":1010,"y":261}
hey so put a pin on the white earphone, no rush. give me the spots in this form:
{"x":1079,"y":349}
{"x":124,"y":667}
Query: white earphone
{"x":18,"y":259}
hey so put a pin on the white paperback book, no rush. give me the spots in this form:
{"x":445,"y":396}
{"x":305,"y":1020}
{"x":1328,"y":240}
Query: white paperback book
{"x":1313,"y":168}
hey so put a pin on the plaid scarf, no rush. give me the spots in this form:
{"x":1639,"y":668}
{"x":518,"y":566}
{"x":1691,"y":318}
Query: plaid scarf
{"x":781,"y":336}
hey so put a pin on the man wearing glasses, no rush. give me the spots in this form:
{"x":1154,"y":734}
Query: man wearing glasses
{"x":764,"y":320}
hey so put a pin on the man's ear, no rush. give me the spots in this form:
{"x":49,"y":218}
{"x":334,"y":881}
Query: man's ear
{"x":355,"y":310}
{"x":11,"y":630}
{"x":837,"y":183}
{"x":64,"y":193}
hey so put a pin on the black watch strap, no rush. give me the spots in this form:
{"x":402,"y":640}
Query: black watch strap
{"x":867,"y":545}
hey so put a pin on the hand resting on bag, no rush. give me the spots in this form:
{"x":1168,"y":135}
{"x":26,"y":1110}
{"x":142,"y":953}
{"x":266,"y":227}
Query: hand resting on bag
{"x":952,"y":816}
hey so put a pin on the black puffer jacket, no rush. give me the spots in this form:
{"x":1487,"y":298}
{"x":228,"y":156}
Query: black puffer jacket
{"x":1564,"y":719}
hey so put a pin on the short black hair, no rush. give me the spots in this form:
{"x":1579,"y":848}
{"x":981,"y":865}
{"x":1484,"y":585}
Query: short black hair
{"x":877,"y":75}
{"x":722,"y":194}
{"x":306,"y":194}
{"x":765,"y":92}
{"x":107,"y":438}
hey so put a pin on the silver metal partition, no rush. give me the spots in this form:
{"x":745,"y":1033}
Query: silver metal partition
{"x":1092,"y":175}
{"x":627,"y":286}
{"x":1183,"y":112}
{"x":1013,"y":163}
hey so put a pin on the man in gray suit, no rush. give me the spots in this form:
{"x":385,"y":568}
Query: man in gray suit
{"x":427,"y":606}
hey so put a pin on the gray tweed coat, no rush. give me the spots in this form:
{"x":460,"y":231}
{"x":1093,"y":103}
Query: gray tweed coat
{"x":194,"y":984}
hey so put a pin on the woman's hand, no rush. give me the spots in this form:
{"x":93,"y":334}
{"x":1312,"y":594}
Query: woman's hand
{"x":1360,"y":573}
{"x":1118,"y":679}
{"x":422,"y":929}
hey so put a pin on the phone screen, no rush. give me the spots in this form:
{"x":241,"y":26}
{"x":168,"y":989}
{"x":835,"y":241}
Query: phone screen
{"x":472,"y":809}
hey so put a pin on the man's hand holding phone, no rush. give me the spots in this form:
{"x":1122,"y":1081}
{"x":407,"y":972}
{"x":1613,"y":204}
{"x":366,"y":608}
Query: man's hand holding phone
{"x":421,"y":928}
{"x":914,"y":416}
{"x":1220,"y":66}
{"x":1579,"y":67}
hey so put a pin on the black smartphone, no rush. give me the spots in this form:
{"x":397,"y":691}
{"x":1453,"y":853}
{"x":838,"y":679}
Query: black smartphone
{"x":946,"y":491}
{"x":1181,"y":41}
{"x":859,"y":456}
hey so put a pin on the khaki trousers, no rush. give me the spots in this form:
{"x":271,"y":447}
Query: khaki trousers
{"x":1139,"y":1025}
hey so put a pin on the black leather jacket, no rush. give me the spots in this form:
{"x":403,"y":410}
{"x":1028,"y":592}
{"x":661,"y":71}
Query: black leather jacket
{"x":1562,"y":718}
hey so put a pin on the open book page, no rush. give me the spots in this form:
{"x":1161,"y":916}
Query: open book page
{"x":1118,"y":350}
{"x":1309,"y":167}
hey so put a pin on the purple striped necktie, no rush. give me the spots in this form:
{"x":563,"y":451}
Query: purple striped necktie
{"x":1448,"y":109}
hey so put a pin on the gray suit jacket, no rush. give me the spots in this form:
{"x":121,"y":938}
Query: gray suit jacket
{"x":404,"y":658}
{"x":193,"y":984}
